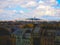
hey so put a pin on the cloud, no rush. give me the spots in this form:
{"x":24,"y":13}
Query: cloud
{"x":57,"y":13}
{"x":29,"y":4}
{"x":43,"y":9}
{"x":22,"y":12}
{"x":38,"y":8}
{"x":50,"y":2}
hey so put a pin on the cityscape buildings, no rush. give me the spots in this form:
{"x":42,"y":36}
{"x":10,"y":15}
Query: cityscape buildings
{"x":33,"y":32}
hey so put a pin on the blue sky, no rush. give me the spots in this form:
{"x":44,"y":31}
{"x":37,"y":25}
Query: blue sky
{"x":16,"y":9}
{"x":58,"y":1}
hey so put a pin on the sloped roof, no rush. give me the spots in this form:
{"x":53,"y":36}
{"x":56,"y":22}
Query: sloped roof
{"x":18,"y":32}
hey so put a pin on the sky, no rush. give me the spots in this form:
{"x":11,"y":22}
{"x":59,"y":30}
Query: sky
{"x":17,"y":9}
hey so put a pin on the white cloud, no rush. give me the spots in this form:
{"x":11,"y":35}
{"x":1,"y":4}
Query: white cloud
{"x":1,"y":10}
{"x":42,"y":10}
{"x":51,"y":2}
{"x":29,"y":4}
{"x":41,"y":2}
{"x":22,"y":12}
{"x":57,"y":13}
{"x":7,"y":12}
{"x":43,"y":7}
